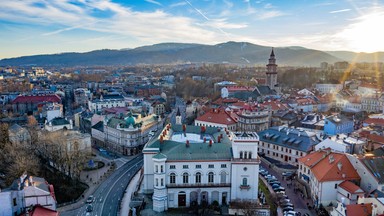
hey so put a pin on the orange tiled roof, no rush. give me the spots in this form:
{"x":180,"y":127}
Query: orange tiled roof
{"x":324,"y":170}
{"x":350,"y":187}
{"x":359,"y":209}
{"x":276,"y":105}
{"x":218,"y":116}
{"x":375,"y":138}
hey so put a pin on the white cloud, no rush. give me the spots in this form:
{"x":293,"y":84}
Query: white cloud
{"x":178,"y":4}
{"x":340,"y":11}
{"x":269,"y":14}
{"x":153,"y":2}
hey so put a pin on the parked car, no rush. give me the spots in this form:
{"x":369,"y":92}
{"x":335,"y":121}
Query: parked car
{"x":275,"y":186}
{"x":290,"y":213}
{"x":282,"y":201}
{"x":279,"y":189}
{"x":90,"y":199}
{"x":89,"y":208}
{"x":274,"y":182}
{"x":287,"y":174}
{"x":287,"y":209}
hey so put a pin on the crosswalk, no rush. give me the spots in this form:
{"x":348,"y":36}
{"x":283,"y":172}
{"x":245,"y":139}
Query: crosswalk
{"x":120,"y":162}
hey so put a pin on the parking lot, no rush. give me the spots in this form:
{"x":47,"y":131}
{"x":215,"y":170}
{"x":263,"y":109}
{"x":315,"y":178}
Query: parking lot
{"x":292,"y":202}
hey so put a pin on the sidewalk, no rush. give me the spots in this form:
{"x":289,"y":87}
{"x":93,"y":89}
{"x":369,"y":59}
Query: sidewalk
{"x":92,"y":178}
{"x":124,"y":211}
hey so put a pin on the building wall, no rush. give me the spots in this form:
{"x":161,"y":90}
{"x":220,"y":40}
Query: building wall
{"x":36,"y":196}
{"x":11,"y":202}
{"x":368,"y":181}
{"x":281,"y":153}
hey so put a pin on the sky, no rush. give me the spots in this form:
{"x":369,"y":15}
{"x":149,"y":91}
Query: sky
{"x":30,"y":27}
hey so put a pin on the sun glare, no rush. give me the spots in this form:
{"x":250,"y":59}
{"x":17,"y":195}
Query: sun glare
{"x":366,"y":35}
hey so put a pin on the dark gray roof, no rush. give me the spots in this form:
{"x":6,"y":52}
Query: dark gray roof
{"x":59,"y":121}
{"x":245,"y":95}
{"x":113,"y":97}
{"x":99,"y":126}
{"x":264,"y":90}
{"x":289,"y":137}
{"x":376,"y":166}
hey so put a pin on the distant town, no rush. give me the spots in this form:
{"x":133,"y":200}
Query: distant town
{"x":192,"y":139}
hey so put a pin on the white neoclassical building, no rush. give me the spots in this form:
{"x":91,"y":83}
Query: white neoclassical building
{"x":197,"y":165}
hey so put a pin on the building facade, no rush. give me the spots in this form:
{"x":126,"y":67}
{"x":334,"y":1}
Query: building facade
{"x":191,"y":165}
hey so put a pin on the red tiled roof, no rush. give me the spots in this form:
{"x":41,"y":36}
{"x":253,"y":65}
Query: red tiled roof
{"x":325,"y":170}
{"x":350,"y":187}
{"x":221,"y":101}
{"x":376,"y":121}
{"x":218,"y":116}
{"x":276,"y":105}
{"x":37,"y":99}
{"x":375,"y":138}
{"x":39,"y":210}
{"x":359,"y":209}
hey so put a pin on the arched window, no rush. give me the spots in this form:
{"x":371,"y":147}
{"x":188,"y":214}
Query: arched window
{"x":210,"y":177}
{"x":198,"y":177}
{"x":172,"y":178}
{"x":245,"y":155}
{"x":245,"y":181}
{"x":185,"y":178}
{"x":241,"y":155}
{"x":250,"y":155}
{"x":223,"y":177}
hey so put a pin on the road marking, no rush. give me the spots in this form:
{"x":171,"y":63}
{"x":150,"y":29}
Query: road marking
{"x":102,"y":207}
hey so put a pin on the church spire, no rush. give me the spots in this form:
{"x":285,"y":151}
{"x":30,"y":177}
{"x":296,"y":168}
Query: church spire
{"x":272,"y":53}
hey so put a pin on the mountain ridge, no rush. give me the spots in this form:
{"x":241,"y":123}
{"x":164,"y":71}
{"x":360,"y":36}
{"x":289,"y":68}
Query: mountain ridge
{"x":242,"y":53}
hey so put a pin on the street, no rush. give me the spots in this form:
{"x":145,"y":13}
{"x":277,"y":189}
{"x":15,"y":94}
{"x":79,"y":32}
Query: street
{"x":110,"y":192}
{"x":300,"y":204}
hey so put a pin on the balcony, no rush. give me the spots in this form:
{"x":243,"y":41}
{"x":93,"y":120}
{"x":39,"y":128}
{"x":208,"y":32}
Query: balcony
{"x":245,"y":187}
{"x":198,"y":185}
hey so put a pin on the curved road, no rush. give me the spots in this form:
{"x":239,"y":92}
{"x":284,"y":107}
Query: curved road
{"x":110,"y":192}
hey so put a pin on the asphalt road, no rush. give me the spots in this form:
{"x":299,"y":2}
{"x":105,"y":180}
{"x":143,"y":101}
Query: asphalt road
{"x":110,"y":192}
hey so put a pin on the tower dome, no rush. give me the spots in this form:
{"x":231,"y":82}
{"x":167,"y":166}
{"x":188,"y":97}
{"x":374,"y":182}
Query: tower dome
{"x":130,"y":120}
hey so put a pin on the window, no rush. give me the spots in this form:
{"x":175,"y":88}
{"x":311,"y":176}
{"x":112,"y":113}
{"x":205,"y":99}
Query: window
{"x":172,"y":167}
{"x":162,"y":182}
{"x":161,"y":169}
{"x":185,"y":178}
{"x":185,"y":166}
{"x":198,"y":177}
{"x":241,"y":155}
{"x":250,"y":155}
{"x":156,"y":168}
{"x":198,"y":166}
{"x":335,"y":186}
{"x":245,"y":155}
{"x":14,"y":202}
{"x":157,"y":182}
{"x":211,"y":166}
{"x":210,"y":177}
{"x":223,"y":165}
{"x":172,"y":178}
{"x":223,"y":177}
{"x":245,"y":181}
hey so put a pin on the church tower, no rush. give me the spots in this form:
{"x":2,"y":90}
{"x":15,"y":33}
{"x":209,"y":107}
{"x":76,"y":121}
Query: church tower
{"x":272,"y":71}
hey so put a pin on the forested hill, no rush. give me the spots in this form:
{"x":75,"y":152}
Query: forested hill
{"x":168,"y":53}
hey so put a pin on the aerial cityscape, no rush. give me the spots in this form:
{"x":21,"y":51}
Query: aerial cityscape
{"x":187,"y":107}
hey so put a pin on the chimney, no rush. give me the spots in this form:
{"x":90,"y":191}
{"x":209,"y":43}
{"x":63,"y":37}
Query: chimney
{"x":339,"y":166}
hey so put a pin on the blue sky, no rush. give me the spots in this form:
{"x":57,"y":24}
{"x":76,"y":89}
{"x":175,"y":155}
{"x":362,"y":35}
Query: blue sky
{"x":30,"y":27}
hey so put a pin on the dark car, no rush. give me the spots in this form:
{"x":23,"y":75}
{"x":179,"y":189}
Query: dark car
{"x":89,"y":208}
